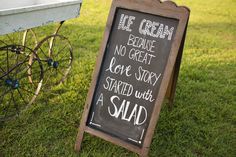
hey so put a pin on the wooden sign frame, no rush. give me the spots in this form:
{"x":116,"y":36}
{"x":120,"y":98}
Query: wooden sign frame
{"x":166,"y":9}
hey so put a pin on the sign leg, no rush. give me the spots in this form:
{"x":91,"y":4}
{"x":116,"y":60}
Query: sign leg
{"x":144,"y":153}
{"x":79,"y":140}
{"x":170,"y":94}
{"x":80,"y":134}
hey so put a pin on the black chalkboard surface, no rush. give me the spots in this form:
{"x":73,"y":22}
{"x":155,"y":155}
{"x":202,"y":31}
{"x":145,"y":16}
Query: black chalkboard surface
{"x":137,"y":67}
{"x":131,"y":73}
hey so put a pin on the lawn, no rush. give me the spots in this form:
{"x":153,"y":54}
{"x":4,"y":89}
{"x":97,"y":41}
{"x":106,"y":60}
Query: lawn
{"x":203,"y":119}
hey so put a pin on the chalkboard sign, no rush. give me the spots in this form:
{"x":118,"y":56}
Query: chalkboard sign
{"x":131,"y":73}
{"x":137,"y":57}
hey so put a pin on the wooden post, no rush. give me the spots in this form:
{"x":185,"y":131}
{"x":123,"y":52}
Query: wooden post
{"x":79,"y":139}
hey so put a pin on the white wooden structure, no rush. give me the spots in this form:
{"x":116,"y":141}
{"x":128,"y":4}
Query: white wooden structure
{"x":18,"y":15}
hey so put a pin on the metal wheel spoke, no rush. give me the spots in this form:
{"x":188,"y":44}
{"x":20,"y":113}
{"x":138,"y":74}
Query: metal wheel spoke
{"x":34,"y":72}
{"x":25,"y":74}
{"x":19,"y":38}
{"x":65,"y":63}
{"x":18,"y":69}
{"x":43,"y":52}
{"x":43,"y":60}
{"x":64,"y":59}
{"x":31,"y":83}
{"x":27,"y":68}
{"x":21,"y":96}
{"x":11,"y":40}
{"x":50,"y":48}
{"x":2,"y":69}
{"x":27,"y":90}
{"x":10,"y":70}
{"x":14,"y":102}
{"x":64,"y":67}
{"x":5,"y":92}
{"x":49,"y":68}
{"x":60,"y":72}
{"x":65,"y":56}
{"x":61,"y":50}
{"x":16,"y":61}
{"x":7,"y":107}
{"x":49,"y":75}
{"x":7,"y":61}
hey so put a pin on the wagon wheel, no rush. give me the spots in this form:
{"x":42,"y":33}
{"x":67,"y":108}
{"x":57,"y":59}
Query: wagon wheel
{"x":26,"y":38}
{"x":55,"y":53}
{"x":20,"y":81}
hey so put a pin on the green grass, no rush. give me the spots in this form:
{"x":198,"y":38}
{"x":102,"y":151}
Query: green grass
{"x":202,"y":122}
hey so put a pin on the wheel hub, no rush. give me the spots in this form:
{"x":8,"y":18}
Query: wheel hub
{"x":14,"y":84}
{"x":53,"y":63}
{"x":16,"y":49}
